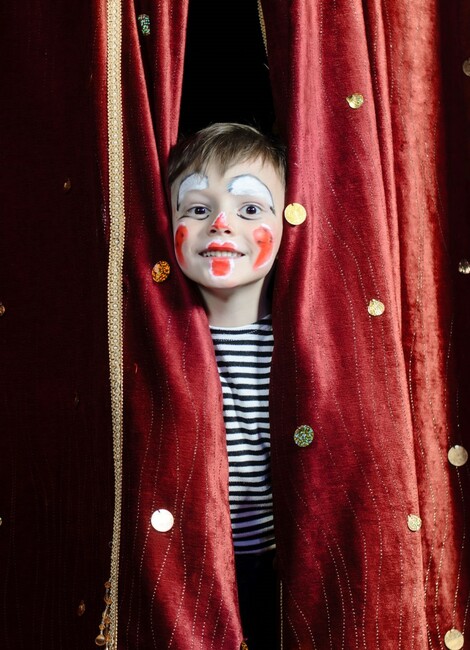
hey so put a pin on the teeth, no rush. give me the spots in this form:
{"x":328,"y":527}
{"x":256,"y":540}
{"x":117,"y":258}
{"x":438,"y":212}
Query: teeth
{"x":231,"y":254}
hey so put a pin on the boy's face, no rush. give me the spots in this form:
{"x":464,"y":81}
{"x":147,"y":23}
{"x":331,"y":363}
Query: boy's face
{"x":227,"y":228}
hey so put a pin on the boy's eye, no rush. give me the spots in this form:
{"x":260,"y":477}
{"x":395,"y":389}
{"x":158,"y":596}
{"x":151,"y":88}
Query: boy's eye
{"x":249,"y":211}
{"x":197,"y":212}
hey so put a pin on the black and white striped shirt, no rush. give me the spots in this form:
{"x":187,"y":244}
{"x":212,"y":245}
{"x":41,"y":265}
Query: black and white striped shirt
{"x":244,"y":361}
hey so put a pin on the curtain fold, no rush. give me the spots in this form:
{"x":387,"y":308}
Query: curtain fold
{"x":176,"y":585}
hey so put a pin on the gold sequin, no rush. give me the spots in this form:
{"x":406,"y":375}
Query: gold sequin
{"x":457,"y":456}
{"x":81,"y":608}
{"x":376,"y":308}
{"x":100,"y":640}
{"x":2,"y":309}
{"x":160,"y":271}
{"x":414,"y":523}
{"x":454,"y":639}
{"x":464,"y":267}
{"x":303,"y":435}
{"x":243,"y":646}
{"x":67,"y":185}
{"x":295,"y":214}
{"x":466,"y":67}
{"x":355,"y":100}
{"x":144,"y":22}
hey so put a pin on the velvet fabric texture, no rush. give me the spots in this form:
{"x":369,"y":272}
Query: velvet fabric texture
{"x":385,"y":186}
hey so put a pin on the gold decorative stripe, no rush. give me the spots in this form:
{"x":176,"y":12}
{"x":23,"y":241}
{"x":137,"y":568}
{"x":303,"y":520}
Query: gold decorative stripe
{"x":117,"y":223}
{"x":263,"y":26}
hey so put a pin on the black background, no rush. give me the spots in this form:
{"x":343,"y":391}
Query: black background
{"x":226,"y":77}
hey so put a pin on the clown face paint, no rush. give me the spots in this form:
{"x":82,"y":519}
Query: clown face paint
{"x":228,"y":228}
{"x":221,"y":222}
{"x":248,"y":185}
{"x":181,"y":235}
{"x":222,"y":256}
{"x":221,"y":268}
{"x":192,"y":182}
{"x":265,"y":240}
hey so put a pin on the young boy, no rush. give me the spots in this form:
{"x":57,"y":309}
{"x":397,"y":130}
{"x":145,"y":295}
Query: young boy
{"x":227,"y":192}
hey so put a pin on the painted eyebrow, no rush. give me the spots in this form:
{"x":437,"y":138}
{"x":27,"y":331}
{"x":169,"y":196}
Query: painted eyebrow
{"x":194,"y":181}
{"x":251,"y":185}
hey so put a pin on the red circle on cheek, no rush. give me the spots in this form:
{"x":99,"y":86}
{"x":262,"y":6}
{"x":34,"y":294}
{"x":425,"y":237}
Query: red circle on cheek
{"x":181,"y":235}
{"x":265,"y":240}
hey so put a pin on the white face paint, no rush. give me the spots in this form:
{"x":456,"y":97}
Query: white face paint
{"x":248,"y":185}
{"x":192,"y":182}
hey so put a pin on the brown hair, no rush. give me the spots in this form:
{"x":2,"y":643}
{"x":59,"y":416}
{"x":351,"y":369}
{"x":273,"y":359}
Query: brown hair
{"x":226,"y":143}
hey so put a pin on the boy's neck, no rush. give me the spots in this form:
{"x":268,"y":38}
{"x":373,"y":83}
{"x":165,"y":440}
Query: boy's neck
{"x":236,"y":307}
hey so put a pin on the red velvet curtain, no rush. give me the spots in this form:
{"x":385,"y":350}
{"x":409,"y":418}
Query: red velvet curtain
{"x":381,"y":391}
{"x":179,"y":585}
{"x":384,"y":183}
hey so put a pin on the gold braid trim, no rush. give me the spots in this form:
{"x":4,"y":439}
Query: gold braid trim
{"x":117,"y":223}
{"x":263,"y":26}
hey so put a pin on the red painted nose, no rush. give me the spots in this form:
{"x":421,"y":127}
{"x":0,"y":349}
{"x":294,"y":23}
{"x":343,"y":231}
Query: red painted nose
{"x":221,"y":223}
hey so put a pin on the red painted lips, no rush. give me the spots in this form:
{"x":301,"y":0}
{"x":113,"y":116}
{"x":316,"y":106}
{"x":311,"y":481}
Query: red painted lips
{"x":224,"y":246}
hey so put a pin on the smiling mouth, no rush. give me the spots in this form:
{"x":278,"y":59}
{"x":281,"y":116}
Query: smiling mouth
{"x":219,"y":249}
{"x":219,"y":253}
